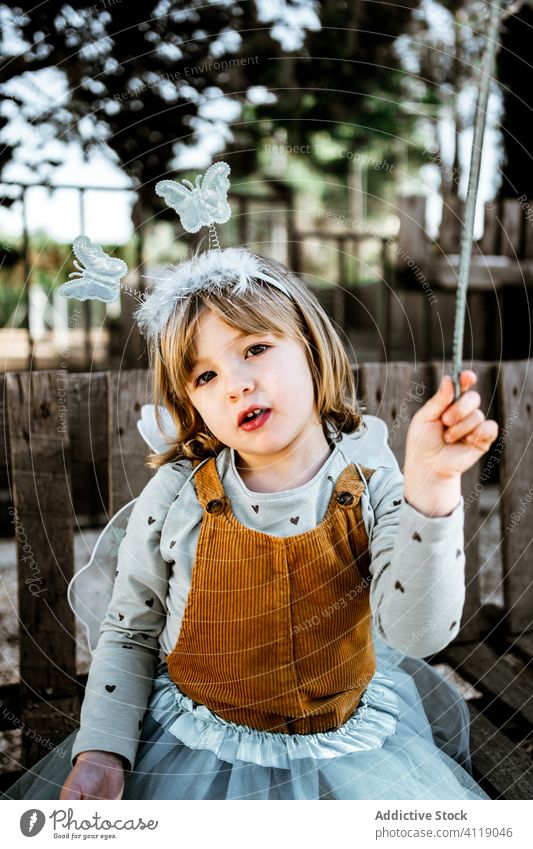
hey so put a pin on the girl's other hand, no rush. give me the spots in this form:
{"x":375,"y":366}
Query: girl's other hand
{"x":95,"y":775}
{"x":446,"y":437}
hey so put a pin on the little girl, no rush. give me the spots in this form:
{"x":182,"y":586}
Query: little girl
{"x":278,"y":583}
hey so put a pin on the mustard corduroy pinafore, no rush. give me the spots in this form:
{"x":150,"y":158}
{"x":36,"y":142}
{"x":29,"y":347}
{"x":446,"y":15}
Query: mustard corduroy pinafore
{"x":276,"y":632}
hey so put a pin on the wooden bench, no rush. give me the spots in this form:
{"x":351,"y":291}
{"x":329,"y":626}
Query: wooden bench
{"x":74,"y":450}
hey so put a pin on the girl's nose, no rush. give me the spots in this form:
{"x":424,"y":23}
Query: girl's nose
{"x":238,"y":384}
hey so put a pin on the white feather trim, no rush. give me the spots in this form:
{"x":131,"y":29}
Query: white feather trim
{"x":231,"y":270}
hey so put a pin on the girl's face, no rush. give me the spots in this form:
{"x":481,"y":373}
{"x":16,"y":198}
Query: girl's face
{"x":235,"y":372}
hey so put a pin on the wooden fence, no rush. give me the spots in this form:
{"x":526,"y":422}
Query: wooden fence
{"x":73,"y":448}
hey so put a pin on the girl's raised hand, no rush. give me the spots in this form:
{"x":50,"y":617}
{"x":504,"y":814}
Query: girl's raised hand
{"x":446,"y":437}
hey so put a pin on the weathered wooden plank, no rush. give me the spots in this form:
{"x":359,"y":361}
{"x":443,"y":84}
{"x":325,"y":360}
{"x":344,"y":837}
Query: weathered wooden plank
{"x":338,"y":295}
{"x":10,"y":700}
{"x":394,"y":392}
{"x":39,"y":452}
{"x":44,"y":725}
{"x":495,"y":676}
{"x":43,"y":521}
{"x":527,"y":246}
{"x":503,"y":768}
{"x":485,"y":276}
{"x":489,"y":244}
{"x":451,"y":226}
{"x":88,"y":411}
{"x":515,"y":394}
{"x":4,"y":449}
{"x":511,"y":228}
{"x":3,"y":419}
{"x":127,"y":392}
{"x":522,"y":645}
{"x":412,"y":238}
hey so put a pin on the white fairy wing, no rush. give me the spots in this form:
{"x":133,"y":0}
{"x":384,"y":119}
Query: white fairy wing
{"x":193,"y":215}
{"x":214,"y":190}
{"x":89,"y":592}
{"x":185,"y":202}
{"x":149,"y":429}
{"x":96,"y":260}
{"x":86,"y":288}
{"x":173,"y":193}
{"x":216,"y":209}
{"x":202,"y":205}
{"x":100,"y":279}
{"x":216,"y":179}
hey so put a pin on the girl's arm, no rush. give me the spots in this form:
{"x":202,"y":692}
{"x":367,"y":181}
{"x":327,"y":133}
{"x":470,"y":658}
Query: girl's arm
{"x":417,"y":544}
{"x":417,"y":565}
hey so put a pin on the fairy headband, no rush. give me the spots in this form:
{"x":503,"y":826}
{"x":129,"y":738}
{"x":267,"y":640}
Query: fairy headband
{"x":231,"y":270}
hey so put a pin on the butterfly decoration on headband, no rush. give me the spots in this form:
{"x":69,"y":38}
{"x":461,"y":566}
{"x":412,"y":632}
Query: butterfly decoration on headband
{"x":100,"y":279}
{"x":230,"y":270}
{"x":203,"y":204}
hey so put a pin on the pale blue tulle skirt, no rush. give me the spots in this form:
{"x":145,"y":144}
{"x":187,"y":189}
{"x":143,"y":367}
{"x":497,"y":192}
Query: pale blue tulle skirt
{"x":407,"y":739}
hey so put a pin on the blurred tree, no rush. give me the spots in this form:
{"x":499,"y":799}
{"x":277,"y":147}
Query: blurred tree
{"x":447,"y":59}
{"x":142,"y":79}
{"x":346,"y":81}
{"x":139,"y":77}
{"x":445,"y":50}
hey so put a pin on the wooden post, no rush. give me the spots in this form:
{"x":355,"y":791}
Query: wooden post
{"x":88,"y":418}
{"x":27,"y":274}
{"x":513,"y":219}
{"x":384,"y":301}
{"x":127,"y":451}
{"x":489,"y":244}
{"x":394,"y":391}
{"x":293,"y":246}
{"x":38,"y":412}
{"x":412,"y":238}
{"x":339,"y":287}
{"x":133,"y":343}
{"x":449,"y":239}
{"x":4,"y":448}
{"x":243,"y":209}
{"x":515,"y":395}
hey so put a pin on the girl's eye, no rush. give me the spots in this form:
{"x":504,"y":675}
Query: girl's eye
{"x":200,"y":380}
{"x":259,"y":346}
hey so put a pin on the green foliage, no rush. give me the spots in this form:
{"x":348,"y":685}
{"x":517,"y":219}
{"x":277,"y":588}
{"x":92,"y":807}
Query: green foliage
{"x":139,"y":77}
{"x":11,"y":297}
{"x":143,"y":72}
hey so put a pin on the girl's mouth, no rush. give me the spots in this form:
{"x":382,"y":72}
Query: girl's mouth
{"x":256,"y":420}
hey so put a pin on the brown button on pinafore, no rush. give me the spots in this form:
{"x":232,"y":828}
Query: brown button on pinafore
{"x":276,"y":633}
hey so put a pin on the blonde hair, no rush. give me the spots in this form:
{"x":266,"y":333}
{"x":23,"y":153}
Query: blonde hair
{"x":261,"y":308}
